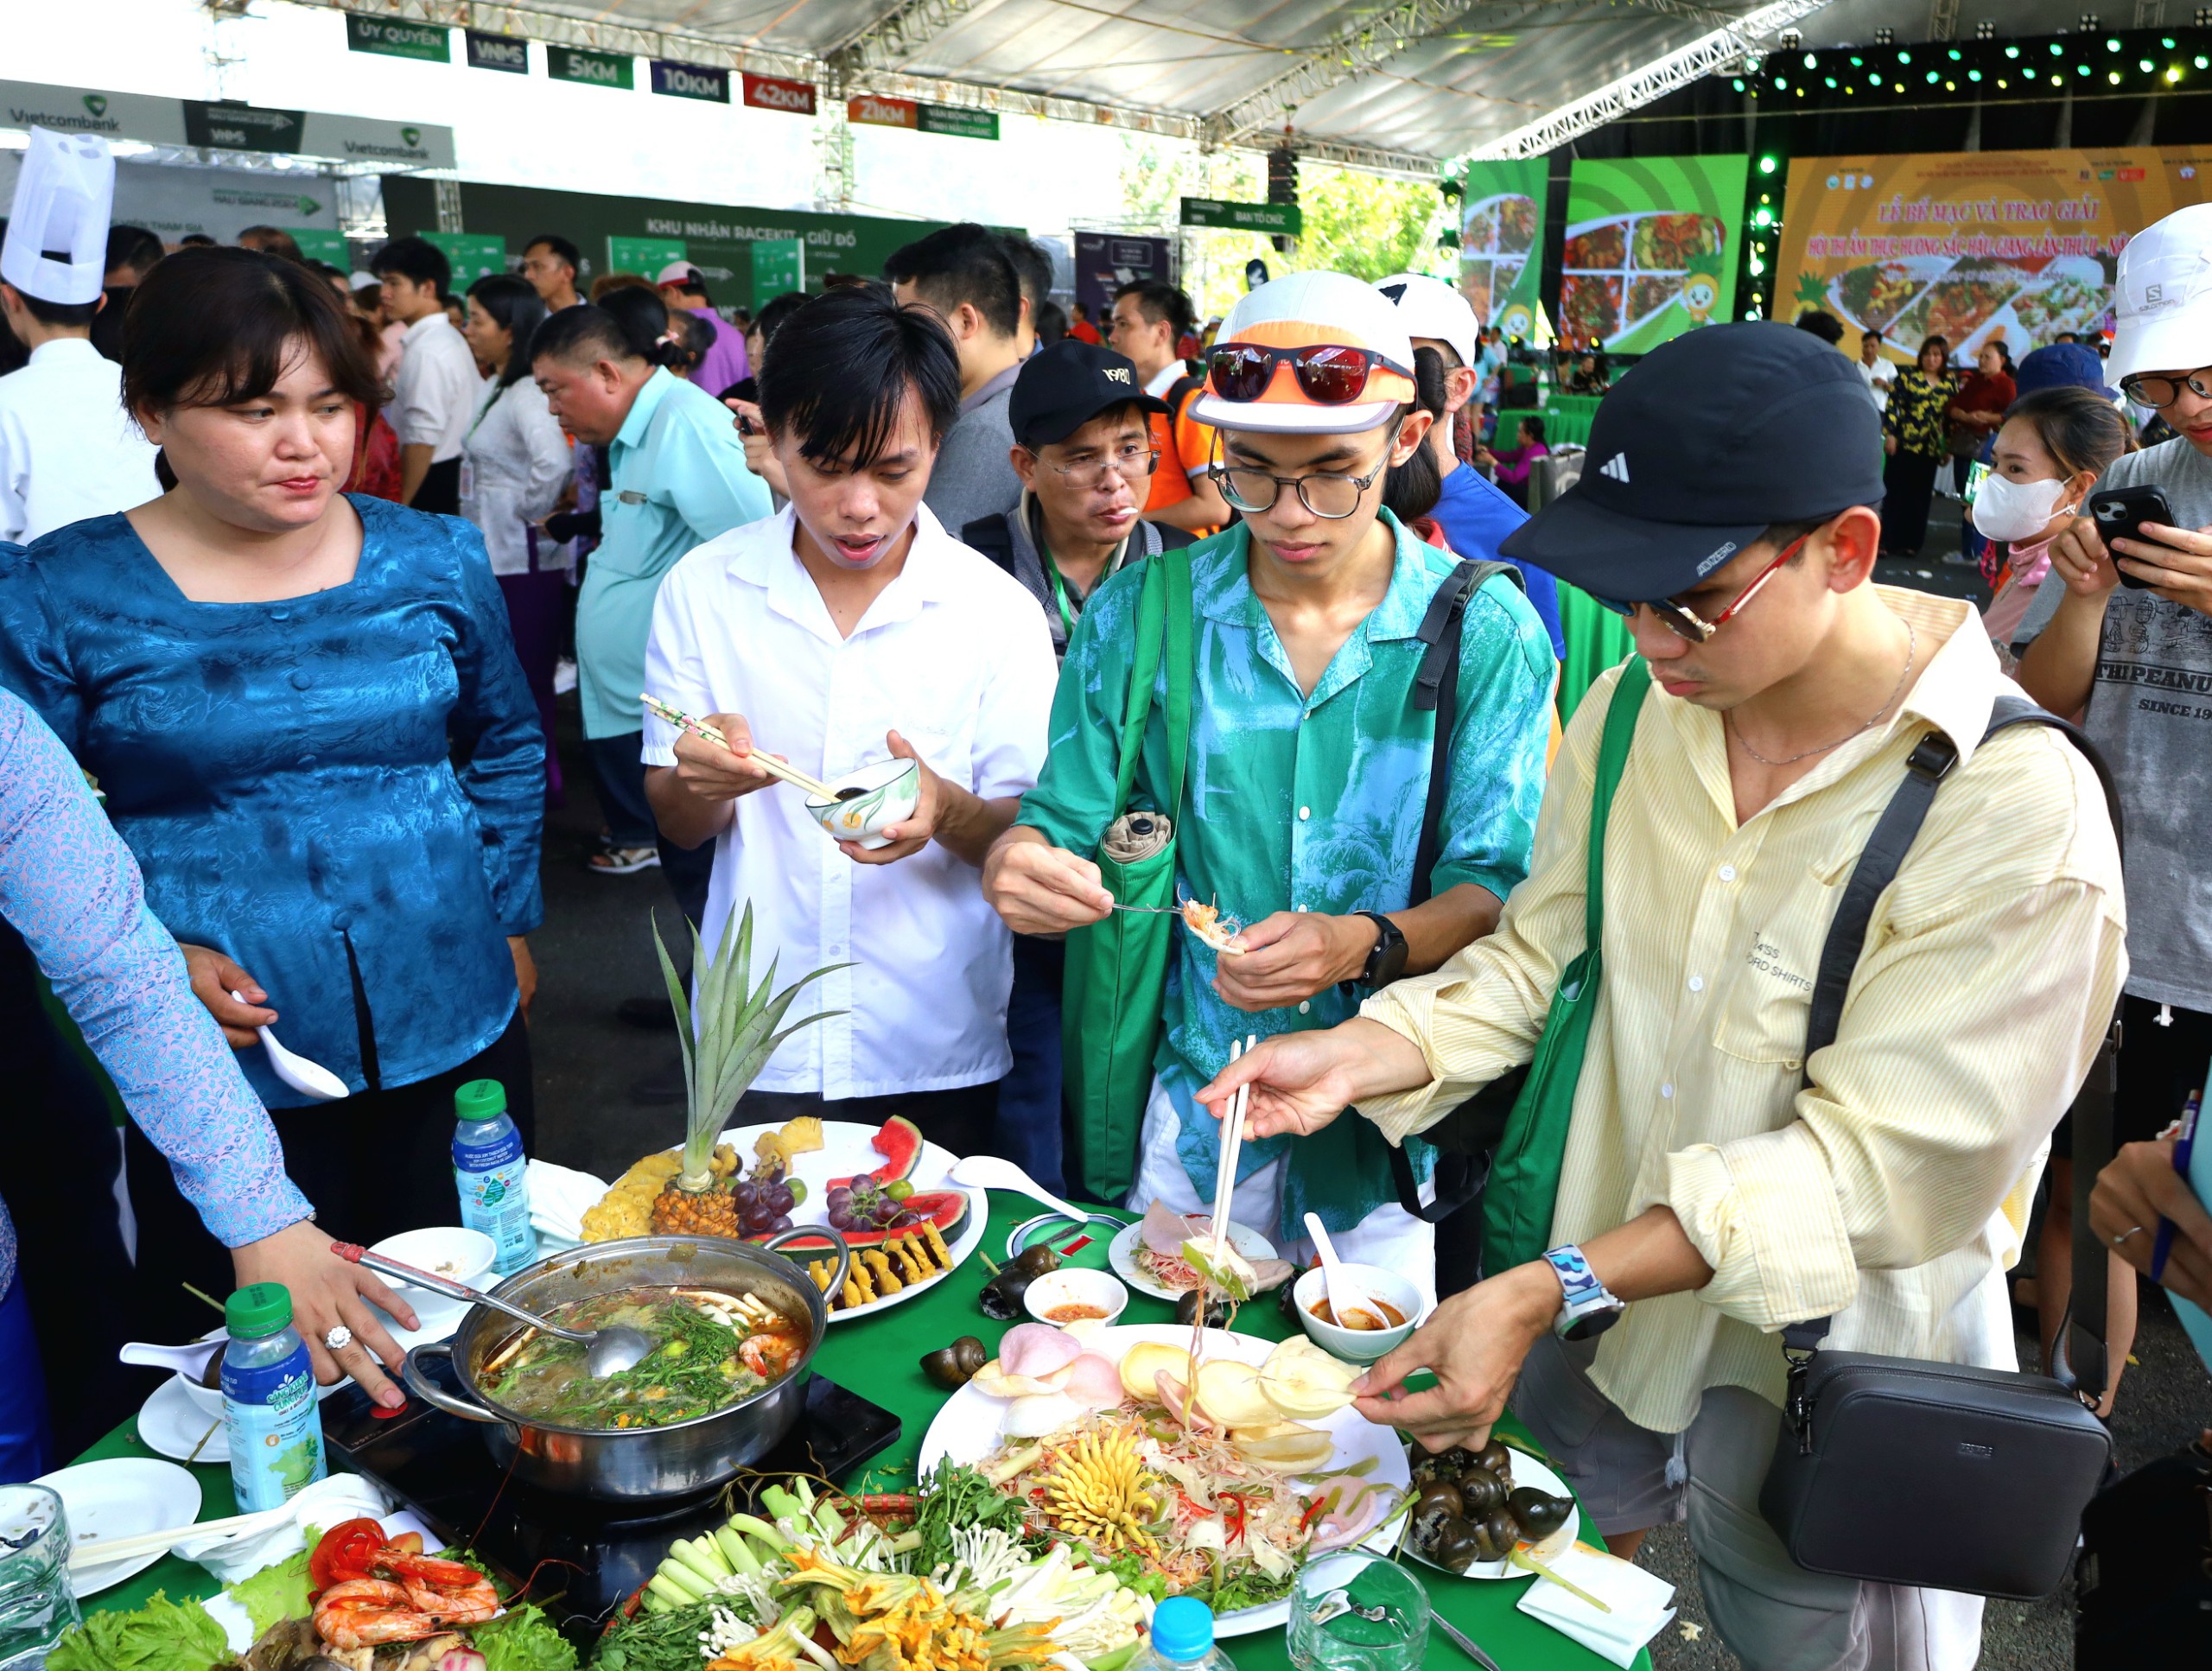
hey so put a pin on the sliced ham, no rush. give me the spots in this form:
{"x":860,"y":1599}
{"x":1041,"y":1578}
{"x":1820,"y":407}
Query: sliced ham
{"x":1165,"y":1230}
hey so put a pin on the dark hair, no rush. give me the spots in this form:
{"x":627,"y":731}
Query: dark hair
{"x":773,"y":312}
{"x":697,"y":336}
{"x":2004,"y":353}
{"x":1926,"y":343}
{"x":274,"y":240}
{"x":2079,"y":429}
{"x":561,"y":247}
{"x":1820,"y":322}
{"x":1161,"y":302}
{"x":591,"y":331}
{"x":326,"y":270}
{"x":1033,"y":270}
{"x":133,"y":248}
{"x":1534,"y":425}
{"x":414,"y":258}
{"x":214,"y":327}
{"x":1411,"y":490}
{"x":2066,"y":336}
{"x":643,"y":319}
{"x":196,"y":241}
{"x":694,"y":282}
{"x":1871,"y":334}
{"x":843,"y":366}
{"x":74,"y":315}
{"x":1052,"y":323}
{"x":963,"y":263}
{"x":509,"y":299}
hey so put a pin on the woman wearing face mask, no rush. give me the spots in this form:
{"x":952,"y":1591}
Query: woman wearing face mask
{"x":2053,"y":446}
{"x":306,"y":713}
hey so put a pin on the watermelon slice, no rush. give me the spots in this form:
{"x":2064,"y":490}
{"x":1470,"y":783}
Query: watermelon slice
{"x":946,"y":1208}
{"x":900,"y":1141}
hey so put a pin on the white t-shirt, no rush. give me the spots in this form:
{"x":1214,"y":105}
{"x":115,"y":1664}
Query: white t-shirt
{"x":436,"y":394}
{"x":954,"y":656}
{"x":67,"y":448}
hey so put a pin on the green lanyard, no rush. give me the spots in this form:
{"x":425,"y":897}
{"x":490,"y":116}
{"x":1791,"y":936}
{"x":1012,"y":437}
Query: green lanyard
{"x":1059,"y":589}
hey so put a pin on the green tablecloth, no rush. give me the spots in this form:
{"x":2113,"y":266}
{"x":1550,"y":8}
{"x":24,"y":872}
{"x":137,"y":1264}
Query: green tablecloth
{"x":1566,"y":420}
{"x":877,"y":1357}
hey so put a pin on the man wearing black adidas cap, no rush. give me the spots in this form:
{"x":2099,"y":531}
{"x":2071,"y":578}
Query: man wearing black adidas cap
{"x":1085,"y":456}
{"x":1715,"y":1186}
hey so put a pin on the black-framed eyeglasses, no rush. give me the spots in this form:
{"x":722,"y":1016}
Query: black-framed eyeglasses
{"x":1686,"y":623}
{"x":2151,"y":389}
{"x":1328,"y":375}
{"x":1331,"y":498}
{"x":1131,"y":463}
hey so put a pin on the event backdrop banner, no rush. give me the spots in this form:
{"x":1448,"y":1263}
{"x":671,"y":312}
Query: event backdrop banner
{"x":1501,"y":242}
{"x":220,"y":202}
{"x":1972,"y":246}
{"x":1106,"y":261}
{"x":1650,"y":248}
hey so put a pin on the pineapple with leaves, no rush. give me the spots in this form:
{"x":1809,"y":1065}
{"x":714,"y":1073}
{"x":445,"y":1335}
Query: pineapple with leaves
{"x":727,"y":1041}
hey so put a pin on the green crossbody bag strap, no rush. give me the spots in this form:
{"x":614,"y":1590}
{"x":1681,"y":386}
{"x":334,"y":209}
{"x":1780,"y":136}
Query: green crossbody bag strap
{"x":1163,"y":628}
{"x":1613,"y":759}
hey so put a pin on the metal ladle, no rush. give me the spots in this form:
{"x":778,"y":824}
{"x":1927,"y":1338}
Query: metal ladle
{"x":608,"y":1351}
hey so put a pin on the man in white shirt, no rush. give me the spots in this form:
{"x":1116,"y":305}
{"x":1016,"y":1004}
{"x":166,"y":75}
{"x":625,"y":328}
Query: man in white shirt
{"x":1874,"y":372}
{"x":68,"y":449}
{"x":437,"y":389}
{"x":848,"y":629}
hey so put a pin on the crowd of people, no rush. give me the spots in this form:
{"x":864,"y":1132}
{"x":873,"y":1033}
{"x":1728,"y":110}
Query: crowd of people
{"x":1265,"y":631}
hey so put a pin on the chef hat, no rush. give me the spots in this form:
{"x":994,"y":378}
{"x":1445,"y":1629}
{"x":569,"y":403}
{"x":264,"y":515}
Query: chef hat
{"x":57,"y":231}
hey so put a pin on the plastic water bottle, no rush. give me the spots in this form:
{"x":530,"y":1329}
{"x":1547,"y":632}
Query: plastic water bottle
{"x":1182,"y":1639}
{"x":493,"y":1176}
{"x":268,"y":1405}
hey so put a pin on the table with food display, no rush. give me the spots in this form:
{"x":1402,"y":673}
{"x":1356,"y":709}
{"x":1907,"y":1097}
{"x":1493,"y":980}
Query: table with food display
{"x":884,"y":1418}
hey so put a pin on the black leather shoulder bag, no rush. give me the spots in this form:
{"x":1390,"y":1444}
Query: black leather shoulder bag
{"x":1944,"y":1476}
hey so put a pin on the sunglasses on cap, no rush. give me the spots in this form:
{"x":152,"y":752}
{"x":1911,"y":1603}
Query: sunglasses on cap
{"x":1328,"y":375}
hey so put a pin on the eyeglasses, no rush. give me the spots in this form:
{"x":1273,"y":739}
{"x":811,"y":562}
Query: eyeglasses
{"x":1327,"y":375}
{"x":1685,"y":622}
{"x":1129,"y":463}
{"x":1332,"y":497}
{"x":2154,"y":390}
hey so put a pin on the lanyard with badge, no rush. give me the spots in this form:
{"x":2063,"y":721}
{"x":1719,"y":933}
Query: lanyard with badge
{"x":1059,"y":589}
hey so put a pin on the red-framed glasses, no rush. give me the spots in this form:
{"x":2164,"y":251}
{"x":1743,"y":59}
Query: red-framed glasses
{"x":1685,"y":622}
{"x":1327,"y":374}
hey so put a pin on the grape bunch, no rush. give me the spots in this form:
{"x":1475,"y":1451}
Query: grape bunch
{"x":763,"y":1209}
{"x":864,"y":1205}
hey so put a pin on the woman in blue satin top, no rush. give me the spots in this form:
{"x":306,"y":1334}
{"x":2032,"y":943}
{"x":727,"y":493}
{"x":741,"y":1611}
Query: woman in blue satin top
{"x":306,"y":716}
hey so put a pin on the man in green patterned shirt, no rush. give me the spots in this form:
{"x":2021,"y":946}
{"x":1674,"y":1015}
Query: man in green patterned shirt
{"x":1309,"y":762}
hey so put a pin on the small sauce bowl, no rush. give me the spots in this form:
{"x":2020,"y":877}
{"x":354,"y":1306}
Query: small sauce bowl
{"x":869,"y":801}
{"x":1098,"y":1295}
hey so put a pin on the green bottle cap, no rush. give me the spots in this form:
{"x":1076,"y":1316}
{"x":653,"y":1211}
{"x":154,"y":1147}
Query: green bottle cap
{"x":258,"y":1309}
{"x":480,"y":1099}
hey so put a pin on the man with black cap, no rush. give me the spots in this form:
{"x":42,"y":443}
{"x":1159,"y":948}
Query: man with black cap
{"x":1717,"y":1186}
{"x":1084,"y":454}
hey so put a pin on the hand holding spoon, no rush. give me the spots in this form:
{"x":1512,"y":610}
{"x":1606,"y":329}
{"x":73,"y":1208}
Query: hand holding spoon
{"x":310,"y":1078}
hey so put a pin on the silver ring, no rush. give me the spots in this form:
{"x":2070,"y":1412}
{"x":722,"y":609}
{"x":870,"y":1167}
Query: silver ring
{"x":338,"y":1339}
{"x":2123,"y":1234}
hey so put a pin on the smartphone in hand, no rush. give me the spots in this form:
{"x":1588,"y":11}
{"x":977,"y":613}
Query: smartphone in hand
{"x":2121,"y":512}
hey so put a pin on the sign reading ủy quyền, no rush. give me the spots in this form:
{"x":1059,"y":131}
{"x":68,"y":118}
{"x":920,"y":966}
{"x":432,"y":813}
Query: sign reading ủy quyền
{"x":773,"y":93}
{"x":395,"y":38}
{"x":643,"y":255}
{"x":877,"y":111}
{"x":598,"y":69}
{"x":701,"y":81}
{"x":471,"y":255}
{"x":958,"y":121}
{"x":779,"y":264}
{"x":1283,"y":219}
{"x":1979,"y":246}
{"x":1650,"y":249}
{"x":1502,"y":209}
{"x":510,"y":53}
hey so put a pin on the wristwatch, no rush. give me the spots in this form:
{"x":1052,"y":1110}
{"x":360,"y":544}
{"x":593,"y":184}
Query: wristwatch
{"x":1590,"y":1307}
{"x":1387,"y":961}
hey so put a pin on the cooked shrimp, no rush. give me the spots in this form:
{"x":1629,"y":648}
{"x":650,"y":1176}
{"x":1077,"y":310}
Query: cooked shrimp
{"x":1209,"y":926}
{"x":364,"y":1613}
{"x":768,"y":1356}
{"x":446,"y":1592}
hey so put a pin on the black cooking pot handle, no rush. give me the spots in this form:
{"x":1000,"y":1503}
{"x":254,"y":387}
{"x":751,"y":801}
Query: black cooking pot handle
{"x":775,"y":1243}
{"x":422,"y":1387}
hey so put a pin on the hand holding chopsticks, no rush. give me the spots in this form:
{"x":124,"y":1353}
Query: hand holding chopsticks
{"x":768,"y":763}
{"x":1232,"y":1141}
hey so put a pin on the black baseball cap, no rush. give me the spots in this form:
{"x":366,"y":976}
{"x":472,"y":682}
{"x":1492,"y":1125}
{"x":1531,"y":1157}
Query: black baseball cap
{"x":1701,"y":446}
{"x":1063,"y":387}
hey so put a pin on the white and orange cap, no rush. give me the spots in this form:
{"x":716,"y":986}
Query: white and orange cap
{"x":1312,"y":311}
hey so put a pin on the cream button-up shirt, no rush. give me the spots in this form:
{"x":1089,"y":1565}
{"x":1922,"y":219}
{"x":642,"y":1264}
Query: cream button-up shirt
{"x":1894,"y":1189}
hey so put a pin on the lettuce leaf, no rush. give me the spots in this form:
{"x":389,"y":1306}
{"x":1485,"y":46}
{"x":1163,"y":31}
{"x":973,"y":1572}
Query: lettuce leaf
{"x":274,"y":1593}
{"x":523,"y":1640}
{"x":163,"y":1636}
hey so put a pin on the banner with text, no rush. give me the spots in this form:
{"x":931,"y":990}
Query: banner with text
{"x":1976,"y":246}
{"x":1501,"y":242}
{"x":691,"y":82}
{"x":510,"y":53}
{"x":219,"y":202}
{"x":1280,"y":219}
{"x":1106,"y":261}
{"x":877,"y":110}
{"x":471,"y":256}
{"x":1650,"y":249}
{"x":772,"y":92}
{"x":429,"y":42}
{"x":224,"y":125}
{"x":778,"y":265}
{"x":599,"y":69}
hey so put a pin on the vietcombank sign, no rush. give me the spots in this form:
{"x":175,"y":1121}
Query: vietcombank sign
{"x":224,"y":125}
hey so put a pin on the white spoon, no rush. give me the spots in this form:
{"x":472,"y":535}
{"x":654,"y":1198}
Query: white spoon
{"x":297,"y":1071}
{"x":988,"y":1171}
{"x":185,"y":1360}
{"x":1345,"y":1295}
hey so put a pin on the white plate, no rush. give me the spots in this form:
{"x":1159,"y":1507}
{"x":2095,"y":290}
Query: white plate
{"x":1121,"y":1254}
{"x":1527,"y":1471}
{"x":966,"y":1430}
{"x":120,"y":1498}
{"x":171,"y":1423}
{"x":846,"y":1152}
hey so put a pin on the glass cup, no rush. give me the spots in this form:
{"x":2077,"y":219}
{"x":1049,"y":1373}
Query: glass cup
{"x":36,"y":1603}
{"x":1355,"y":1612}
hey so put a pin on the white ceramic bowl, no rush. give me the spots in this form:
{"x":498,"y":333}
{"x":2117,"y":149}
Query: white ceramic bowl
{"x":452,"y":1251}
{"x":1076,"y":1287}
{"x":1357,"y":1345}
{"x":881,"y":795}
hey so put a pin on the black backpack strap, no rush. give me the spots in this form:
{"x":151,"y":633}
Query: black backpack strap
{"x":1929,"y":764}
{"x":1436,"y":690}
{"x":990,"y":535}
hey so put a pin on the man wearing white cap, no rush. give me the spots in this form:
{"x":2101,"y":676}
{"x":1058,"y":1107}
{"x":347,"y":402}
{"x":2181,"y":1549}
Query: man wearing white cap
{"x":1473,"y":514}
{"x":68,"y":449}
{"x":1301,"y":810}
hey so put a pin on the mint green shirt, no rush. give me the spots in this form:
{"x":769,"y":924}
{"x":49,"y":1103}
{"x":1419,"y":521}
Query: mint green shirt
{"x":1298,"y":802}
{"x":677,"y":478}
